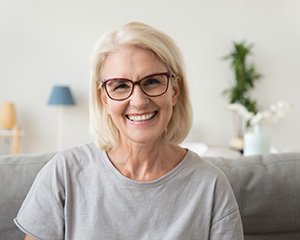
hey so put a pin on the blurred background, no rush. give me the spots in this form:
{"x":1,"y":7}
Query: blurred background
{"x":48,"y":43}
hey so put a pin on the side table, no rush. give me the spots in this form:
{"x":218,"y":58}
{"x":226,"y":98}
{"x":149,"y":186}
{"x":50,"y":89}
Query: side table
{"x":10,"y":141}
{"x":211,"y":150}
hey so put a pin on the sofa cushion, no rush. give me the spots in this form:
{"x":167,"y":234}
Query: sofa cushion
{"x":17,"y":174}
{"x":267,"y":189}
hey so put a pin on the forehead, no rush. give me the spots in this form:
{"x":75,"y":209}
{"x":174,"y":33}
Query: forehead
{"x":131,"y":62}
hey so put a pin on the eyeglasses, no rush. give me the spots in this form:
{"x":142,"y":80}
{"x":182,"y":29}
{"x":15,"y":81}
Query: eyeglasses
{"x":153,"y":85}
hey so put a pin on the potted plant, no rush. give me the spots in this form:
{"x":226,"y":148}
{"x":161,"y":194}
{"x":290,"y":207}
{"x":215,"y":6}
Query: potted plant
{"x":245,"y":77}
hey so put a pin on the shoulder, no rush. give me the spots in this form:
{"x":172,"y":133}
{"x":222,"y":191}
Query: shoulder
{"x":200,"y":167}
{"x":81,"y":154}
{"x":208,"y":176}
{"x":216,"y":183}
{"x":87,"y":151}
{"x":72,"y":160}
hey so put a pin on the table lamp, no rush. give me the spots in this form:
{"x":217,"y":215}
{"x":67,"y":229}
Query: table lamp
{"x":60,"y":97}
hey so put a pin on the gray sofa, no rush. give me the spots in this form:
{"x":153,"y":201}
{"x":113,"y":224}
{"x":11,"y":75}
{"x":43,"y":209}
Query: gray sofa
{"x":267,"y":189}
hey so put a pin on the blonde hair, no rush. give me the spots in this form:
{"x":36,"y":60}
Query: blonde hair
{"x":105,"y":133}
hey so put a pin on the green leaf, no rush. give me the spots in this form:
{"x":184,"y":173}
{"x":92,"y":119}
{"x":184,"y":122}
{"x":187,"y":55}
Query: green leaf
{"x":245,"y":76}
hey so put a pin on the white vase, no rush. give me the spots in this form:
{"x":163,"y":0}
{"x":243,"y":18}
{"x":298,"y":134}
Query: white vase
{"x":256,"y":142}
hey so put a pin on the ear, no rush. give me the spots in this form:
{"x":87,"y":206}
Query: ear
{"x":175,"y":95}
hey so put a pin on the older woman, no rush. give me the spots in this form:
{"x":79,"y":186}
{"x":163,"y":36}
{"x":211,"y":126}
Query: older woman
{"x":135,"y":181}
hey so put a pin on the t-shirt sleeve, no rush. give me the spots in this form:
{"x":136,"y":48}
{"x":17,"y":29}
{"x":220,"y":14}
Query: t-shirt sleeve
{"x":227,"y":228}
{"x":226,"y":223}
{"x":42,"y":212}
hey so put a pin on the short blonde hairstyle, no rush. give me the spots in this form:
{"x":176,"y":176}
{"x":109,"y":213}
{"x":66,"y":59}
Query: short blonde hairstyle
{"x":104,"y":131}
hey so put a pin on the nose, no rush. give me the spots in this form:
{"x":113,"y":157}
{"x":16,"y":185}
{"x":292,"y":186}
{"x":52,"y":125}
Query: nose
{"x":138,"y":98}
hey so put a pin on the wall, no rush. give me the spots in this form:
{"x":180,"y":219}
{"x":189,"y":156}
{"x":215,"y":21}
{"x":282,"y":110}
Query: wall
{"x":44,"y":43}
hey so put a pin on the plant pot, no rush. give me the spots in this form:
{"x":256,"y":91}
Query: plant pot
{"x":256,"y":142}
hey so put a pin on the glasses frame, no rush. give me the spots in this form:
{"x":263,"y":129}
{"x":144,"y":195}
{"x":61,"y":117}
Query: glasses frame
{"x":167,"y":74}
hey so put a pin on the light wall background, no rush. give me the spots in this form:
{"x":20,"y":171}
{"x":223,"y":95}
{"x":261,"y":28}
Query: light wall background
{"x":43,"y":43}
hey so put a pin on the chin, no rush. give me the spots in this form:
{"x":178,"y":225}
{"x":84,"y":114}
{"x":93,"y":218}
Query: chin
{"x":145,"y":138}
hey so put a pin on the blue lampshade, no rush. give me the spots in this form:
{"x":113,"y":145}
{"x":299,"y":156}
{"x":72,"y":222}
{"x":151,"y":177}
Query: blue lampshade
{"x":61,"y":95}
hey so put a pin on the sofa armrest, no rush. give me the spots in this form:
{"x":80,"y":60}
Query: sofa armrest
{"x":17,"y":174}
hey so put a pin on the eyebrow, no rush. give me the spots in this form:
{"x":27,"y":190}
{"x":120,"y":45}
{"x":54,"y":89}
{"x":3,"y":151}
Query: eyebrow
{"x":121,"y":78}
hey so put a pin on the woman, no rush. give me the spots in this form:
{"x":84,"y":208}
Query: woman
{"x":135,"y":182}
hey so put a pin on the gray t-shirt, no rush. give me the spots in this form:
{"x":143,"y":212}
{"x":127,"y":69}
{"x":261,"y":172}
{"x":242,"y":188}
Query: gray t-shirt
{"x":79,"y":194}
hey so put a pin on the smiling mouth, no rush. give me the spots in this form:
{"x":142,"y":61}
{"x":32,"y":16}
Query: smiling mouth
{"x":140,"y":118}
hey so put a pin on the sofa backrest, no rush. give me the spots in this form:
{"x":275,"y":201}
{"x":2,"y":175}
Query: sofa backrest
{"x":267,"y":189}
{"x":17,"y":174}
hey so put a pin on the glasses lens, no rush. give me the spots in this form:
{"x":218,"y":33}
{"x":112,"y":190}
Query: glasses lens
{"x":152,"y":86}
{"x":155,"y":85}
{"x":118,"y":88}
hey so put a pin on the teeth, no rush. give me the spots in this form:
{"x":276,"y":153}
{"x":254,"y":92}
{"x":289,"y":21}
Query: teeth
{"x":138,"y":118}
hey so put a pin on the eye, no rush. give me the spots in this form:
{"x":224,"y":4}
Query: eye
{"x":118,"y":85}
{"x":121,"y":86}
{"x":151,"y":82}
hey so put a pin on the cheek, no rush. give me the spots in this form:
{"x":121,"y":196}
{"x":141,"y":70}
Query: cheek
{"x":168,"y":104}
{"x":107,"y":109}
{"x":111,"y":107}
{"x":114,"y":109}
{"x":171,"y":99}
{"x":104,"y":101}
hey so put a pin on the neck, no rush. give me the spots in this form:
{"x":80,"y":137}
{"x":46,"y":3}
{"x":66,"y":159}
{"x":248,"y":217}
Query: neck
{"x":146,"y":162}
